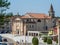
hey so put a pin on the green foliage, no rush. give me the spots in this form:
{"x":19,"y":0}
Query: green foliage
{"x":4,"y":4}
{"x":45,"y":39}
{"x":35,"y":41}
{"x":9,"y":15}
{"x":1,"y":19}
{"x":57,"y":41}
{"x":5,"y":18}
{"x":49,"y":41}
{"x":40,"y":34}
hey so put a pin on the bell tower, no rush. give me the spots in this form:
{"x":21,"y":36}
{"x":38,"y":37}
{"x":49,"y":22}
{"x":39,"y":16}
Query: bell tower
{"x":51,"y":12}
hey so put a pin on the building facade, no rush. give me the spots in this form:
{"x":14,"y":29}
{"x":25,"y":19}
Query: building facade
{"x":32,"y":23}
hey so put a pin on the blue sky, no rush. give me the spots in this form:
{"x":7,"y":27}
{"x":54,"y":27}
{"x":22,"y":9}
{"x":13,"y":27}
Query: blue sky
{"x":33,"y":6}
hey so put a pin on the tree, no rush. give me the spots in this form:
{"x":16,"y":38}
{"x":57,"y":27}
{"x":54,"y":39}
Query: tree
{"x":4,"y":4}
{"x":1,"y":19}
{"x":9,"y":15}
{"x":35,"y":41}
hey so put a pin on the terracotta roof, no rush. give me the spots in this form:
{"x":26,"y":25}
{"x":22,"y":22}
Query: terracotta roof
{"x":35,"y":15}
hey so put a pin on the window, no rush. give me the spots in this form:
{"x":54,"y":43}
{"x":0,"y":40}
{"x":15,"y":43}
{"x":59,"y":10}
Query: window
{"x":5,"y":40}
{"x":30,"y":34}
{"x":39,"y":20}
{"x":3,"y":27}
{"x":17,"y":31}
{"x":7,"y":27}
{"x":26,"y":33}
{"x":46,"y":27}
{"x":53,"y":21}
{"x":27,"y":20}
{"x":36,"y":34}
{"x":31,"y":26}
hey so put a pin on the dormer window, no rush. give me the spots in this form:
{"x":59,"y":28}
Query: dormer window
{"x":39,"y":20}
{"x":28,"y":20}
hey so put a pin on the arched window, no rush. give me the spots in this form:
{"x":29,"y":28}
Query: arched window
{"x":39,"y":20}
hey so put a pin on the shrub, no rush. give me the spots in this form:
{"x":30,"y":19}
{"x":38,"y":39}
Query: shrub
{"x":49,"y":41}
{"x":56,"y":40}
{"x":35,"y":41}
{"x":45,"y":39}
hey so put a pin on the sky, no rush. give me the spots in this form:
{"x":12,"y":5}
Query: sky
{"x":33,"y":6}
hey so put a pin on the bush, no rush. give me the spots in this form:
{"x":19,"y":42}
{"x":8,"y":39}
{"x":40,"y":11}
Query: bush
{"x":35,"y":41}
{"x":49,"y":41}
{"x":45,"y":39}
{"x":57,"y":41}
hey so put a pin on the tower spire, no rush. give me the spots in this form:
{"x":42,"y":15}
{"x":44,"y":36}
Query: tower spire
{"x":51,"y":8}
{"x":51,"y":11}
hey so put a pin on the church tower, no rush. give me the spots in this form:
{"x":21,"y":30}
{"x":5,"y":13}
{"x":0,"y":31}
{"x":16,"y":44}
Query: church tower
{"x":51,"y":12}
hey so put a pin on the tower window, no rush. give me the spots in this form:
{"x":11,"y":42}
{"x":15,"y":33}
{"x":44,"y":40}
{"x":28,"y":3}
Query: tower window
{"x":39,"y":20}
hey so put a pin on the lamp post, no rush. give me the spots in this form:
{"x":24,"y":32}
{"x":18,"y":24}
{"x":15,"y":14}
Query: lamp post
{"x":58,"y":27}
